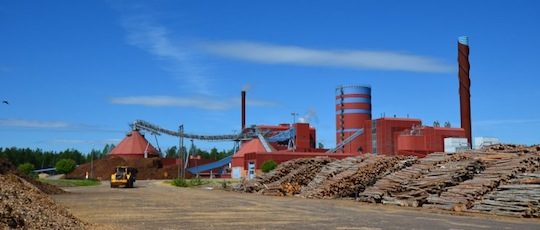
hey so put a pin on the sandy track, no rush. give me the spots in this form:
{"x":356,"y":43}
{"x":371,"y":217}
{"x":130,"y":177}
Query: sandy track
{"x":154,"y":205}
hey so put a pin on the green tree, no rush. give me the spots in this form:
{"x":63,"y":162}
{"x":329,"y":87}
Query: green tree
{"x":40,"y":158}
{"x":64,"y":166}
{"x":106,"y":150}
{"x":214,"y":154}
{"x":26,"y":168}
{"x":268,"y":166}
{"x":171,"y":152}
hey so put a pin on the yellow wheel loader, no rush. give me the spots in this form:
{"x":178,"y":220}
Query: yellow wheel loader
{"x":123,"y":177}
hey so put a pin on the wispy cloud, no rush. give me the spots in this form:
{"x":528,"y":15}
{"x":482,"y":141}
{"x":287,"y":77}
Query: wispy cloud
{"x":145,"y":33}
{"x":21,"y":123}
{"x":357,"y":59}
{"x":53,"y":125}
{"x":506,"y":122}
{"x":208,"y":103}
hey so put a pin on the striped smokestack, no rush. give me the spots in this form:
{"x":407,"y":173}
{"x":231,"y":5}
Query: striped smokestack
{"x":464,"y":86}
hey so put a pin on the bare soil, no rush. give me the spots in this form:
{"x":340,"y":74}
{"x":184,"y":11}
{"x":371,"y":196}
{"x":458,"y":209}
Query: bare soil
{"x":155,"y":205}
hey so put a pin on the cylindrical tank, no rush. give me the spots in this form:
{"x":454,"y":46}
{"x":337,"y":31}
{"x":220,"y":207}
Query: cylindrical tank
{"x":353,"y":109}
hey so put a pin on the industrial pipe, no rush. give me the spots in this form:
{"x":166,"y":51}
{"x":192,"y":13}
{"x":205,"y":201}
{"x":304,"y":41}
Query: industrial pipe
{"x":243,"y":110}
{"x":464,"y":86}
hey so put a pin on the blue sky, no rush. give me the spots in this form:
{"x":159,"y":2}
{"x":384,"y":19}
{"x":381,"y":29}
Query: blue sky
{"x":76,"y":73}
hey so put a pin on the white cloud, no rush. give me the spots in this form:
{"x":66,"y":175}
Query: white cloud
{"x":357,"y":59}
{"x":207,"y":103}
{"x":33,"y":124}
{"x":144,"y":33}
{"x":506,"y":122}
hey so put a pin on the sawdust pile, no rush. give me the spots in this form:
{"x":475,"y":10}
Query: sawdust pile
{"x":27,"y":206}
{"x":148,"y":168}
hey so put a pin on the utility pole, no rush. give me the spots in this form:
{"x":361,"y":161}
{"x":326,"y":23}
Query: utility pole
{"x":181,"y":152}
{"x":291,"y":145}
{"x":92,"y":164}
{"x":194,"y":154}
{"x":293,"y":118}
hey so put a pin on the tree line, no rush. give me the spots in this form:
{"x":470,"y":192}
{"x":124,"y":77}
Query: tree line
{"x":47,"y":159}
{"x":40,"y":159}
{"x":213,"y":154}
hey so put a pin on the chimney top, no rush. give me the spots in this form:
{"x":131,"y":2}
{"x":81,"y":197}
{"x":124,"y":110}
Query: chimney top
{"x":464,"y":40}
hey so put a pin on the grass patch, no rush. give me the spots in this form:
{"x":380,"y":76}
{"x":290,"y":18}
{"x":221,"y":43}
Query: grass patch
{"x":71,"y":182}
{"x":217,"y":182}
{"x":188,"y":182}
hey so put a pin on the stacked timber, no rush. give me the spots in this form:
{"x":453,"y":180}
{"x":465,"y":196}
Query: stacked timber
{"x":511,"y":148}
{"x":499,"y":169}
{"x":292,"y":183}
{"x":299,"y":170}
{"x":398,"y":182}
{"x":417,"y":192}
{"x":355,"y":179}
{"x":521,"y":197}
{"x":330,"y":170}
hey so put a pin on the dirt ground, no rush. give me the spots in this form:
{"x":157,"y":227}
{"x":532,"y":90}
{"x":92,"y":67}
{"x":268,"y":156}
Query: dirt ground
{"x":155,"y":205}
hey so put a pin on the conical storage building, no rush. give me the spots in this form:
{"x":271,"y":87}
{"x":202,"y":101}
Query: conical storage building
{"x":135,"y":145}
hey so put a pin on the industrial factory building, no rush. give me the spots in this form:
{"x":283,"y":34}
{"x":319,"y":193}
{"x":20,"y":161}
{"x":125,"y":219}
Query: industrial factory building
{"x":356,"y":131}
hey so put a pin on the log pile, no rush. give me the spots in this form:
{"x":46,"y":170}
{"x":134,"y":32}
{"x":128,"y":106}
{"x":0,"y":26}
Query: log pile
{"x":398,"y":181}
{"x":521,"y":197}
{"x":292,"y":183}
{"x":330,"y":170}
{"x":355,"y":179}
{"x":500,"y":180}
{"x":417,"y":192}
{"x":463,"y":196}
{"x":299,"y":171}
{"x":511,"y":148}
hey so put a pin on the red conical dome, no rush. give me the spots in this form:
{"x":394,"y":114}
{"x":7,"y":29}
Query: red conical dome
{"x":134,"y":145}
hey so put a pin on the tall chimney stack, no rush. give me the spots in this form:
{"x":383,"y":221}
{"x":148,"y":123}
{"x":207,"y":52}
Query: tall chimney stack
{"x":464,"y":86}
{"x":243,"y":110}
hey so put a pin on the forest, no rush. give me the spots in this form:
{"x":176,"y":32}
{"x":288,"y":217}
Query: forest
{"x":47,"y":159}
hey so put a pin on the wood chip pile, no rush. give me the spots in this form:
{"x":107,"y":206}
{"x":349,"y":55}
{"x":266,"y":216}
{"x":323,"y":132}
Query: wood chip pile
{"x":149,"y":168}
{"x":24,"y":206}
